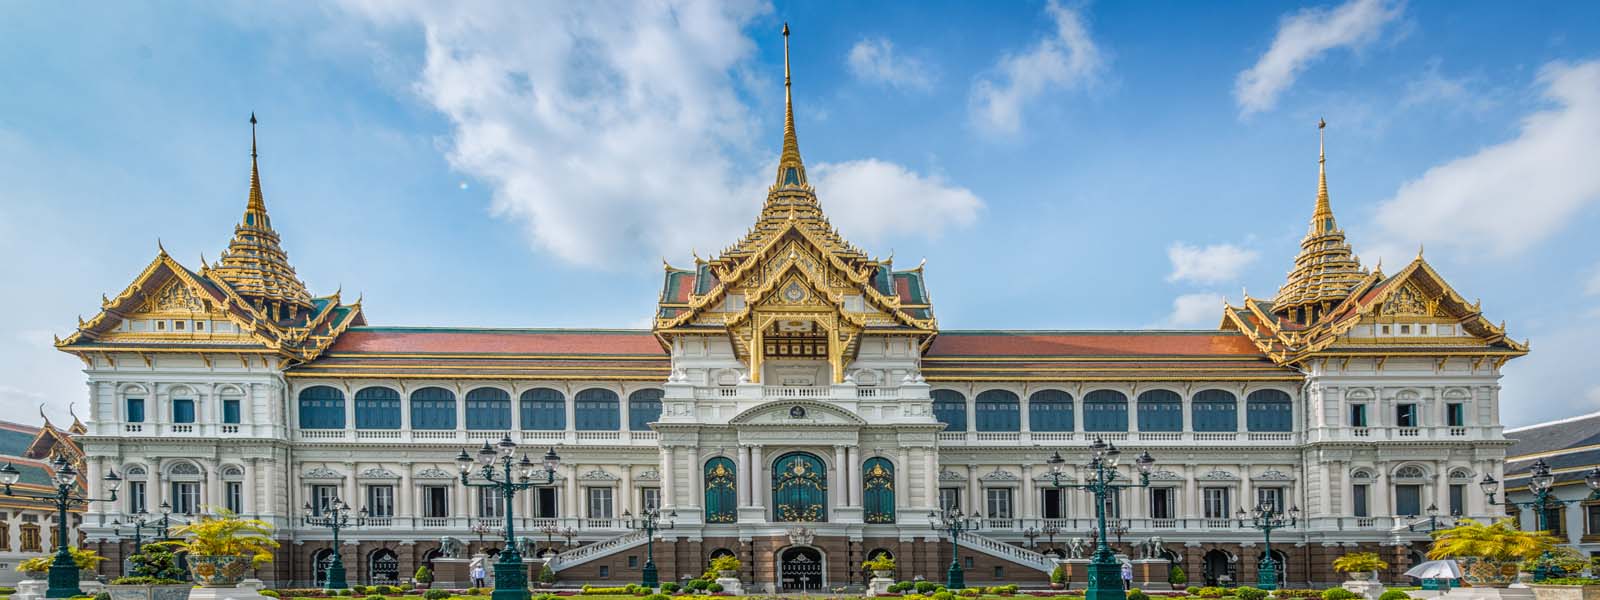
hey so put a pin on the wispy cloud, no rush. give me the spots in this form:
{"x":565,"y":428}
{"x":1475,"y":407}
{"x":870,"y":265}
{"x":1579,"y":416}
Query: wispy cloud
{"x":882,"y":199}
{"x":1302,"y":38}
{"x":1194,"y":310}
{"x":1512,"y":195}
{"x":1216,"y":263}
{"x":874,"y":60}
{"x":1459,"y":94}
{"x":1068,"y":58}
{"x":616,"y":134}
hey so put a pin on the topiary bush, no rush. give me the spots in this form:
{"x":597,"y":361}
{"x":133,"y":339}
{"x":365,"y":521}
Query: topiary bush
{"x":270,"y":593}
{"x":1338,"y":593}
{"x":1137,"y":594}
{"x":435,"y":595}
{"x":1211,"y":591}
{"x":945,"y":595}
{"x":926,"y":587}
{"x":1250,"y":593}
{"x":1394,"y":595}
{"x":656,"y":597}
{"x":714,"y":587}
{"x":376,"y":597}
{"x":1193,"y":590}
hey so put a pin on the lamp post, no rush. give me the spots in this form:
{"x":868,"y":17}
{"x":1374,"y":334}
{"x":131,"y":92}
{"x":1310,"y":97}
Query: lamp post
{"x":1105,"y":574}
{"x":649,"y":521}
{"x":1032,"y":535}
{"x":335,"y":516}
{"x":481,"y":529}
{"x":1434,"y":519}
{"x":1050,"y":530}
{"x":1267,"y":517}
{"x":63,"y":571}
{"x":952,"y":522}
{"x":510,"y":577}
{"x":1539,"y":482}
{"x":142,"y":521}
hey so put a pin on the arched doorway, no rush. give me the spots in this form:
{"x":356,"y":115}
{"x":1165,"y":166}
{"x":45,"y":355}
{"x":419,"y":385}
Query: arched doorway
{"x":320,"y":560}
{"x":799,"y":488}
{"x":427,"y":557}
{"x":800,"y":568}
{"x":1282,"y":563}
{"x":383,"y":567}
{"x":1218,"y":566}
{"x":866,"y":576}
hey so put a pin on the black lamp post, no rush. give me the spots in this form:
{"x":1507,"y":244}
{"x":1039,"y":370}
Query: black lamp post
{"x":510,"y":577}
{"x":1050,"y":530}
{"x":1032,"y":535}
{"x":1105,"y":574}
{"x":335,"y":516}
{"x":1540,"y":480}
{"x":1267,"y":517}
{"x":952,"y":522}
{"x":63,"y":571}
{"x":143,"y":521}
{"x":1434,"y":520}
{"x":649,"y":521}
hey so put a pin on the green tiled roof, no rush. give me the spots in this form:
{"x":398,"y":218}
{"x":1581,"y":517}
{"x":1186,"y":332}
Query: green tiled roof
{"x":14,"y":443}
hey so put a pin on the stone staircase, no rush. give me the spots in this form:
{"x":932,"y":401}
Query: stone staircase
{"x":1004,"y":551}
{"x":602,"y":548}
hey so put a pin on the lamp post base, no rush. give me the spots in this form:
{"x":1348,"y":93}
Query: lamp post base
{"x":63,"y":580}
{"x":954,"y":579}
{"x":650,"y":578}
{"x":1105,"y":580}
{"x":510,"y":577}
{"x":1267,"y":576}
{"x":335,"y":579}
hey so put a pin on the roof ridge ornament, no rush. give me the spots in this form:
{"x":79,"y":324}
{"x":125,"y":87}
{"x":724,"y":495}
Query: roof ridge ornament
{"x":791,"y":169}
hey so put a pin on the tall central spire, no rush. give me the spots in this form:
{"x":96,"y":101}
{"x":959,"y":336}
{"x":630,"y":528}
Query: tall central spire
{"x":791,"y":170}
{"x":1322,"y":217}
{"x":255,"y":265}
{"x":1326,"y":268}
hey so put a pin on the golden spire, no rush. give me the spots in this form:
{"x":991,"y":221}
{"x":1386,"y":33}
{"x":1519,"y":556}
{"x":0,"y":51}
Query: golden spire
{"x":1322,"y":217}
{"x":791,"y":171}
{"x":1326,"y":269}
{"x":254,"y":264}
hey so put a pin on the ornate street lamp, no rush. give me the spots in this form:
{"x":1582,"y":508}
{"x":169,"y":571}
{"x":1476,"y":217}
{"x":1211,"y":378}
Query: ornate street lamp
{"x":63,"y":572}
{"x":649,"y":521}
{"x":1050,"y":530}
{"x":952,"y":522}
{"x":1105,"y":574}
{"x":1434,"y":520}
{"x":1032,"y":535}
{"x":1267,"y":517}
{"x":143,"y":521}
{"x":510,"y":577}
{"x":552,"y":530}
{"x":1540,"y":480}
{"x":335,"y":516}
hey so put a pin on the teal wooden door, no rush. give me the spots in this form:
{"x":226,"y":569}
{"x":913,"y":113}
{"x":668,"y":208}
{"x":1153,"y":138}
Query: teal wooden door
{"x":799,"y":488}
{"x":722,"y":493}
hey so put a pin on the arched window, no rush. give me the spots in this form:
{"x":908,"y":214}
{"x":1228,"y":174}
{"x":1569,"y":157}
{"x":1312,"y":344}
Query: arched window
{"x":950,"y":408}
{"x":232,"y":406}
{"x":722,"y":491}
{"x":1160,"y":410}
{"x":433,"y":408}
{"x":488,"y":408}
{"x":383,"y":567}
{"x":321,"y":407}
{"x":1214,"y":410}
{"x":799,"y":488}
{"x":1050,"y":410}
{"x":877,"y":497}
{"x":644,"y":408}
{"x":998,"y":410}
{"x":597,"y":410}
{"x":1105,"y":410}
{"x":543,"y":409}
{"x":1269,"y":410}
{"x":377,"y":408}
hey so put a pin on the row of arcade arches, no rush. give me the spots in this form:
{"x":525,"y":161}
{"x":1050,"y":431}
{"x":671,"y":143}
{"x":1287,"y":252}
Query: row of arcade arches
{"x":486,"y":408}
{"x":1157,"y":410}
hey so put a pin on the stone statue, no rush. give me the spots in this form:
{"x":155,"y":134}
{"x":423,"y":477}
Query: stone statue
{"x":1152,"y":548}
{"x":450,"y":547}
{"x":1075,"y":548}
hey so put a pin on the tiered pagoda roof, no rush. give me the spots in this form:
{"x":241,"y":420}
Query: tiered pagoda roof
{"x":1326,"y":270}
{"x":255,"y":265}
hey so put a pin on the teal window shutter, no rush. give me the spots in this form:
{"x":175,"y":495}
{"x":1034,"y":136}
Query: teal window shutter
{"x":799,"y":488}
{"x":488,"y":409}
{"x":1050,"y":410}
{"x":1105,"y":410}
{"x":377,"y":408}
{"x":722,"y":491}
{"x":543,"y":409}
{"x":998,"y":410}
{"x":1214,"y":410}
{"x":433,"y":408}
{"x":136,"y":410}
{"x":877,"y":497}
{"x":1160,"y":410}
{"x":596,"y":409}
{"x":230,"y":411}
{"x":644,"y":408}
{"x":1269,"y":410}
{"x":950,"y":408}
{"x":183,"y":410}
{"x":321,"y":407}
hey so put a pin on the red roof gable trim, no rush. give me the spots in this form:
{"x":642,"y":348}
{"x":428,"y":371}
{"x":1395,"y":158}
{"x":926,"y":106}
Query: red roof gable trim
{"x":358,"y":340}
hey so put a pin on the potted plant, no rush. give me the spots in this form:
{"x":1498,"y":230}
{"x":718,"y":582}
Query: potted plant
{"x":223,"y":547}
{"x":727,"y":567}
{"x":155,"y":575}
{"x":39,"y":567}
{"x":424,"y":577}
{"x":547,"y":576}
{"x":882,"y":566}
{"x":1058,"y":577}
{"x":1360,"y":565}
{"x":1491,"y":553}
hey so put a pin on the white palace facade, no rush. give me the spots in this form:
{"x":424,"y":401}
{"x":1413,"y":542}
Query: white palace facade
{"x":796,"y":404}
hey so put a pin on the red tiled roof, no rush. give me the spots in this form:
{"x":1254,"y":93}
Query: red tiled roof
{"x":406,"y":340}
{"x":1091,"y":343}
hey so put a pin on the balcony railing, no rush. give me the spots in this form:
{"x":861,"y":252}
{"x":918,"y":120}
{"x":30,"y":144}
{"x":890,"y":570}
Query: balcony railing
{"x":1174,"y":438}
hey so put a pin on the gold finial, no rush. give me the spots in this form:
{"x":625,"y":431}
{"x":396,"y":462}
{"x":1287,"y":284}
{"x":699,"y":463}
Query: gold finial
{"x":256,"y":203}
{"x":1322,"y":216}
{"x":162,"y":250}
{"x":791,"y":170}
{"x":1419,"y":250}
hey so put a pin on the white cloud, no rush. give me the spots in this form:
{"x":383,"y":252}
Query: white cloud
{"x":1511,"y":195}
{"x":613,"y":132}
{"x":1216,"y":263}
{"x":881,"y":199}
{"x":1195,"y":310}
{"x":874,"y":60}
{"x":1459,"y":94}
{"x":1302,"y":38}
{"x":1066,"y":59}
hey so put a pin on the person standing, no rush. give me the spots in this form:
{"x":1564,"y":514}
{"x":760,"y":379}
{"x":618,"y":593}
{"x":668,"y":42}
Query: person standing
{"x":1127,"y":577}
{"x":478,"y":574}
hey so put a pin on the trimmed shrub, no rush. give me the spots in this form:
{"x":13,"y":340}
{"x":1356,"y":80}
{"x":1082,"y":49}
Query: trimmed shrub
{"x":714,"y":587}
{"x":1137,"y":594}
{"x":669,"y":587}
{"x":1338,"y":593}
{"x":970,"y":592}
{"x":699,"y":585}
{"x":1193,"y":590}
{"x":945,"y":595}
{"x":377,"y":597}
{"x":270,"y":593}
{"x":1250,"y":593}
{"x":926,"y":587}
{"x":1394,"y":595}
{"x":435,"y":594}
{"x":1211,"y":591}
{"x":103,"y":596}
{"x":656,"y":597}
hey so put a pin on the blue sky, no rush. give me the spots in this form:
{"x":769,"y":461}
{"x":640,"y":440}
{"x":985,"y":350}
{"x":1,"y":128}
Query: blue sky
{"x":1059,"y":165}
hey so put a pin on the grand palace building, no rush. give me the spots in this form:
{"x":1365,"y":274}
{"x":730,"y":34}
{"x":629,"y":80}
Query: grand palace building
{"x":797,"y":404}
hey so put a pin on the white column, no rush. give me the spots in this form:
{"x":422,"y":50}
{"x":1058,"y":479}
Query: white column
{"x":1191,"y":495}
{"x":669,"y":497}
{"x":625,"y":495}
{"x":153,"y":486}
{"x":250,"y":487}
{"x":403,"y":496}
{"x":930,"y":476}
{"x":758,"y":477}
{"x":96,"y":490}
{"x":838,"y":484}
{"x":1029,"y":494}
{"x":1247,"y":497}
{"x":902,"y":494}
{"x":855,"y":476}
{"x":1441,"y":488}
{"x":974,"y":493}
{"x":211,"y":479}
{"x":744,"y":478}
{"x":352,"y":489}
{"x":572,"y":493}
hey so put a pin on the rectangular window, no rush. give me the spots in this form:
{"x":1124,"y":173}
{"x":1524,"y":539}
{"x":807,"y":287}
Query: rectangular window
{"x":1358,"y":496}
{"x":1405,"y":415}
{"x":380,"y":500}
{"x":546,"y":506}
{"x":136,"y":410}
{"x":1458,"y":499}
{"x":491,"y":503}
{"x":230,"y":411}
{"x":1216,"y":503}
{"x":185,"y":497}
{"x":999,"y":573}
{"x":650,"y":498}
{"x":136,"y":503}
{"x":1162,"y":503}
{"x":183,"y":410}
{"x":234,"y":501}
{"x":1052,"y":504}
{"x":1408,"y":500}
{"x":1455,"y":414}
{"x":950,"y":498}
{"x":436,"y":501}
{"x":1358,"y":415}
{"x":600,"y":503}
{"x":1591,"y":519}
{"x":322,"y":497}
{"x":633,"y":561}
{"x":1114,"y":505}
{"x":605,"y":571}
{"x":998,"y":501}
{"x":1270,"y":498}
{"x":199,"y":325}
